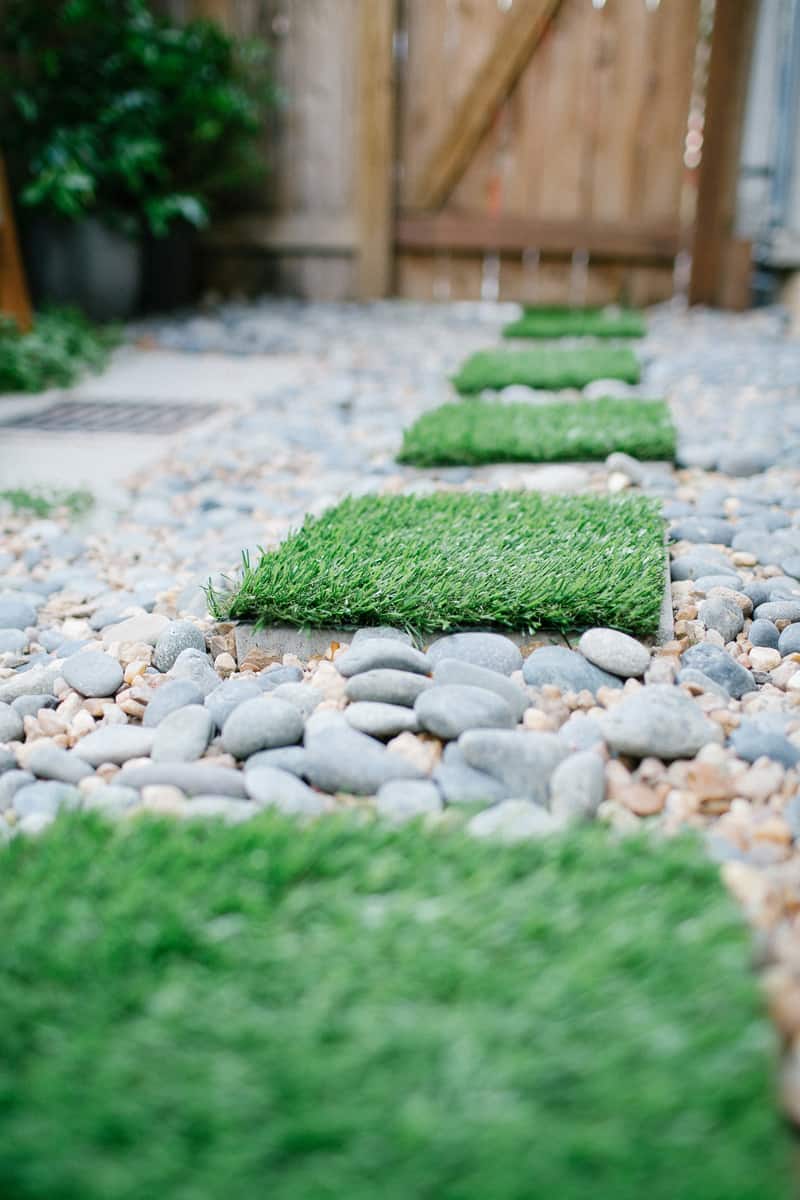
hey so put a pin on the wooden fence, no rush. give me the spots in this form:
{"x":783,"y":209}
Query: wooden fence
{"x":525,"y":149}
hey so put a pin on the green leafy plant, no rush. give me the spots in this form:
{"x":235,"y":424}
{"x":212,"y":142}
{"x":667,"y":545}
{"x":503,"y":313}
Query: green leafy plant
{"x":109,"y":110}
{"x":477,"y":431}
{"x":61,"y":345}
{"x":344,"y":1011}
{"x":514,"y":560}
{"x":543,"y":367}
{"x":554,"y":321}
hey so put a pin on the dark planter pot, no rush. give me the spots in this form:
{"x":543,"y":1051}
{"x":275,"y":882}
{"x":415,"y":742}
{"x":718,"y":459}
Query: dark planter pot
{"x":84,"y":264}
{"x":171,"y":275}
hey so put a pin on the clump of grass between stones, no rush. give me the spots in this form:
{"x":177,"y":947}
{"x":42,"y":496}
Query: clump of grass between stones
{"x":42,"y":503}
{"x":344,"y":1011}
{"x":511,"y":560}
{"x":546,"y":368}
{"x":475,"y":431}
{"x":62,"y":345}
{"x":554,"y":321}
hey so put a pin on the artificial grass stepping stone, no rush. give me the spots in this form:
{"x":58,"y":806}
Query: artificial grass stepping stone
{"x":550,"y":369}
{"x":471,"y":432}
{"x":513,"y":560}
{"x":554,"y":321}
{"x":345,"y":1011}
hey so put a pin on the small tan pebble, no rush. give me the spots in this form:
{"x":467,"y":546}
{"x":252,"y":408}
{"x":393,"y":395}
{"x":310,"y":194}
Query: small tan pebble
{"x":69,"y":707}
{"x":328,"y":680}
{"x":81,"y":724}
{"x":540,"y":722}
{"x":162,"y":798}
{"x":741,"y":558}
{"x":222,"y":644}
{"x":50,"y":722}
{"x":225,"y":664}
{"x":651,"y":771}
{"x":753,"y":891}
{"x":642,"y":800}
{"x":780,"y":677}
{"x":134,"y":670}
{"x":132,"y":708}
{"x":424,"y":751}
{"x":108,"y":771}
{"x":95,"y":707}
{"x":771,"y":827}
{"x":794,"y":683}
{"x":710,"y":782}
{"x":725,"y":718}
{"x":90,"y":784}
{"x":618,"y":482}
{"x":663,"y":669}
{"x":687,"y":613}
{"x":744,"y":602}
{"x":782,"y":624}
{"x":764,"y":658}
{"x":256,"y":660}
{"x":132,"y":653}
{"x":715,"y":638}
{"x":113,"y":715}
{"x":608,"y":697}
{"x":141,"y":693}
{"x":621,"y":819}
{"x":61,"y":688}
{"x":291,"y":660}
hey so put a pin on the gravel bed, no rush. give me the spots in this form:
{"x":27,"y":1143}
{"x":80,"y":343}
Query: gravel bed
{"x":119,"y":693}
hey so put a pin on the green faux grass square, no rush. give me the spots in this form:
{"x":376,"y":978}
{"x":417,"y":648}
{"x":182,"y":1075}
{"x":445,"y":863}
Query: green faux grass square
{"x":555,"y":321}
{"x":344,"y":1011}
{"x":544,"y":367}
{"x":471,"y":432}
{"x":511,"y":560}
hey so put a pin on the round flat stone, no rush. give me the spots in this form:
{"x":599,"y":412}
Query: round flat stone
{"x":698,"y":679}
{"x":695,"y":564}
{"x":29,"y":706}
{"x":387,"y":686}
{"x":16,"y":613}
{"x":168,"y":698}
{"x":261,"y":724}
{"x":270,"y":787}
{"x":450,"y":709}
{"x":719,"y":666}
{"x":764,"y":633}
{"x":111,"y":800}
{"x":660,"y":720}
{"x":723,"y":615}
{"x":340,"y":759}
{"x":227,"y":697}
{"x":491,"y":650}
{"x":285,"y":758}
{"x":12,"y":641}
{"x":303,"y":696}
{"x":702,"y":529}
{"x":194,"y":779}
{"x":381,"y":720}
{"x":615,"y":652}
{"x":45,"y":798}
{"x":454,"y":671}
{"x":406,"y":799}
{"x":578,"y":786}
{"x":751,"y":741}
{"x":93,"y":673}
{"x":176,"y":637}
{"x":789,"y":640}
{"x":10,"y":783}
{"x":778,"y":610}
{"x":183,"y":735}
{"x":147,"y":628}
{"x":47,"y":761}
{"x":373,"y":653}
{"x":115,"y":744}
{"x":521,"y":760}
{"x":11,"y":726}
{"x":566,"y":669}
{"x":194,"y":665}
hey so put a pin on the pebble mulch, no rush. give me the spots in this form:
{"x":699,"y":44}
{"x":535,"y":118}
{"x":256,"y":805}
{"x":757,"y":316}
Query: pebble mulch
{"x":119,"y":694}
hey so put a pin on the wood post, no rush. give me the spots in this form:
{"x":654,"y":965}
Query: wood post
{"x":726,"y":96}
{"x":375,"y":156}
{"x":14,"y":299}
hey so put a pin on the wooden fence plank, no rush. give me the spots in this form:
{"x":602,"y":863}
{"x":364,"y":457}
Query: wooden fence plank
{"x":726,"y":93}
{"x":375,"y":153}
{"x":473,"y":233}
{"x":508,"y":57}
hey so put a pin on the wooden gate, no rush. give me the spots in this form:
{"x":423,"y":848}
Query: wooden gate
{"x":541,"y":148}
{"x":526,"y":149}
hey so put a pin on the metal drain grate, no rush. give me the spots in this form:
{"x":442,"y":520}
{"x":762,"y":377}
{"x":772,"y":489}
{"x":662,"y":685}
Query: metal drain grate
{"x":73,"y":416}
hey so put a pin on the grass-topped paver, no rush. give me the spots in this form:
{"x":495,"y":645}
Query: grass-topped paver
{"x":342,"y":1011}
{"x":555,"y":321}
{"x":545,"y":367}
{"x":512,"y":560}
{"x":475,"y":431}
